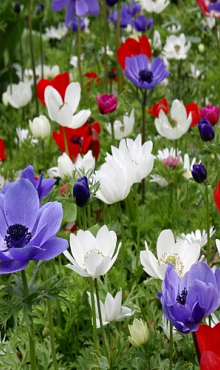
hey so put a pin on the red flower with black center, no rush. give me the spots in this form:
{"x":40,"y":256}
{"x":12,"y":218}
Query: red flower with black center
{"x":208,"y":340}
{"x":161,"y":104}
{"x":132,"y":47}
{"x":60,"y":83}
{"x":80,"y":140}
{"x":194,"y":110}
{"x":2,"y":151}
{"x":216,"y":195}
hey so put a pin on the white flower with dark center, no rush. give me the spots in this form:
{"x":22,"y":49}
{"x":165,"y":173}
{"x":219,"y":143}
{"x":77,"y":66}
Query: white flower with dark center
{"x":56,"y":33}
{"x":92,"y":256}
{"x":176,"y":47}
{"x":124,"y":129}
{"x":111,"y":309}
{"x":182,"y":255}
{"x":179,"y":123}
{"x":156,"y":6}
{"x":197,"y":236}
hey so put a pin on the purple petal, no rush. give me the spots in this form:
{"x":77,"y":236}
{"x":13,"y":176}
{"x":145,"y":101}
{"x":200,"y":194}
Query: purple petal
{"x":52,"y":248}
{"x":58,"y":4}
{"x":81,"y":7}
{"x":45,"y":188}
{"x":24,"y":254}
{"x":28,"y":173}
{"x":70,"y":11}
{"x":18,"y":211}
{"x":12,"y":266}
{"x":94,"y":8}
{"x":215,"y":6}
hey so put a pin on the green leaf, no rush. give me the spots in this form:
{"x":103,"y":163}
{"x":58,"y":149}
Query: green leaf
{"x":69,"y":212}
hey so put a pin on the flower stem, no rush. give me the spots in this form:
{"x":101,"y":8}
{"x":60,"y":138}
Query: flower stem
{"x":79,"y":57}
{"x":94,"y":328}
{"x":196,"y":346}
{"x":113,"y":133}
{"x":171,"y":347}
{"x":41,"y":50}
{"x":105,"y":46}
{"x":32,"y":55}
{"x":208,"y":236}
{"x":65,"y":141}
{"x":119,"y":74}
{"x":30,"y":331}
{"x":101,"y":325}
{"x":123,"y":244}
{"x":138,"y":227}
{"x":143,"y":106}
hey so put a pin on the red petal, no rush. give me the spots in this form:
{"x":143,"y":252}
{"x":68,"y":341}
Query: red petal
{"x":208,"y":338}
{"x":41,"y":86}
{"x":216,"y":195}
{"x":209,"y":361}
{"x":60,"y":83}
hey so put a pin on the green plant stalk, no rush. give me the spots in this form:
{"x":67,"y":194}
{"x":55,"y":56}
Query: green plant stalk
{"x":123,"y":244}
{"x":21,"y":51}
{"x":94,"y":329}
{"x":196,"y":346}
{"x":50,"y":320}
{"x":138,"y":226}
{"x":43,"y":154}
{"x":32,"y":56}
{"x":171,"y":347}
{"x":208,"y":227}
{"x":118,"y":67}
{"x":143,"y":106}
{"x":79,"y":58}
{"x":101,"y":324}
{"x":105,"y":45}
{"x":113,"y":133}
{"x":41,"y":50}
{"x":65,"y":141}
{"x":31,"y":332}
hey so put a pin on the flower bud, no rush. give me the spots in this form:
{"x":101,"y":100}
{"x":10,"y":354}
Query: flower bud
{"x":199,"y":173}
{"x":81,"y":191}
{"x":201,"y":48}
{"x":40,"y":9}
{"x":107,"y":103}
{"x":17,"y":7}
{"x":139,"y":333}
{"x":5,"y":99}
{"x":210,"y":112}
{"x":40,"y":127}
{"x":206,"y":130}
{"x":111,"y":2}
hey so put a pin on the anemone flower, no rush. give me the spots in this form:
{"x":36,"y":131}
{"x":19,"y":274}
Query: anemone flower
{"x":92,"y":256}
{"x":187,"y":301}
{"x":61,"y":109}
{"x":133,"y":47}
{"x":28,"y":230}
{"x":2,"y":151}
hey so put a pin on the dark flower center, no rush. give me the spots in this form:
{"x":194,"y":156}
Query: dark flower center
{"x":145,"y":75}
{"x":17,"y":236}
{"x":76,"y":140}
{"x":181,"y":298}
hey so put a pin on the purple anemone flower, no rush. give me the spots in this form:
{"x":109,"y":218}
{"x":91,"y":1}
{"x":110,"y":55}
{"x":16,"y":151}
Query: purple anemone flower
{"x":78,"y":7}
{"x":140,"y":23}
{"x":43,"y":186}
{"x":125,"y":18}
{"x":27,"y":229}
{"x":142,"y":75}
{"x":186,"y":301}
{"x":74,"y":24}
{"x":215,"y":6}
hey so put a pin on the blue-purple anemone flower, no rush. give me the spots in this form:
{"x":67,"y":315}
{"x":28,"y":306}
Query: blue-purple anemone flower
{"x":76,"y":7}
{"x":43,"y":186}
{"x":142,"y":75}
{"x":27,"y":229}
{"x":215,"y":6}
{"x":186,"y":301}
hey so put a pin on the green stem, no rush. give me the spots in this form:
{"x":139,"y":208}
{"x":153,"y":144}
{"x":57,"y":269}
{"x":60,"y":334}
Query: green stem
{"x":105,"y":46}
{"x":41,"y":51}
{"x":138,"y":227}
{"x":65,"y":141}
{"x":101,"y":324}
{"x":196,"y":346}
{"x":118,"y":67}
{"x":122,"y":246}
{"x":43,"y":154}
{"x":21,"y":51}
{"x":171,"y":347}
{"x":94,"y":329}
{"x":30,"y":332}
{"x":208,"y":235}
{"x":84,"y":218}
{"x":143,"y":106}
{"x":79,"y":58}
{"x":113,"y":133}
{"x":32,"y":56}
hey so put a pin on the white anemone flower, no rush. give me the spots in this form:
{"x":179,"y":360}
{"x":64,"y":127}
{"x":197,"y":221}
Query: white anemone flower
{"x":188,"y":166}
{"x":40,"y":127}
{"x":65,"y":167}
{"x":197,"y":236}
{"x":56,"y":33}
{"x":19,"y":94}
{"x":124,"y":129}
{"x":166,"y":328}
{"x":163,"y":155}
{"x":136,"y":157}
{"x":62,"y":111}
{"x":174,"y":28}
{"x":115,"y":180}
{"x":84,"y":164}
{"x":48,"y":72}
{"x":111,"y":309}
{"x":92,"y":256}
{"x":181,"y":253}
{"x":176,"y":47}
{"x":179,"y":125}
{"x":160,"y":180}
{"x":154,"y":6}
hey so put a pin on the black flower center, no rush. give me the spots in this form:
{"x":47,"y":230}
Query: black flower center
{"x":76,"y":140}
{"x":181,"y":298}
{"x":17,"y":236}
{"x":145,"y":75}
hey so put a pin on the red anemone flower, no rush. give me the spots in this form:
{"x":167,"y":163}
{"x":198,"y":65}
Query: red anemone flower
{"x":216,"y":195}
{"x":93,"y":77}
{"x":208,"y":345}
{"x":132,"y":47}
{"x":80,"y":140}
{"x":161,"y":104}
{"x":194,"y":109}
{"x":60,"y":83}
{"x":2,"y":151}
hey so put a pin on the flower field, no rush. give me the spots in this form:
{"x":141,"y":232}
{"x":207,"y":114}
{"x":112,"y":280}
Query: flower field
{"x":109,"y":185}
